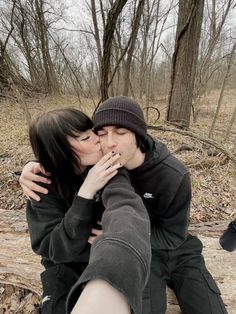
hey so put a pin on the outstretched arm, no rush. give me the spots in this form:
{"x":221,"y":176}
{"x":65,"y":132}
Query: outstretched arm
{"x":121,"y":255}
{"x":99,"y":296}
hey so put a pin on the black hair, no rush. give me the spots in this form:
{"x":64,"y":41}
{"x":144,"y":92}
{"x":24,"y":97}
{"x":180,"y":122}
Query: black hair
{"x":141,"y":143}
{"x":49,"y":140}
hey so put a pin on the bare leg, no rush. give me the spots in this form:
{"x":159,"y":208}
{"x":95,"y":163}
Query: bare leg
{"x":99,"y":297}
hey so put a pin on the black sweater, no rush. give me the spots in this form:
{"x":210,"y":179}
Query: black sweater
{"x":59,"y":230}
{"x":163,"y":183}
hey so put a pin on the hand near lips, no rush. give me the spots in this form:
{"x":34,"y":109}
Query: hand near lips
{"x":99,"y":175}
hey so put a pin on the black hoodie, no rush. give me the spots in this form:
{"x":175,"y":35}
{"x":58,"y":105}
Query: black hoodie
{"x":59,"y":232}
{"x":164,"y":184}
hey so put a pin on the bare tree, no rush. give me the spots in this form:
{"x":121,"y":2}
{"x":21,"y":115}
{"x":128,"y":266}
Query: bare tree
{"x":4,"y":66}
{"x":160,"y":18}
{"x":42,"y":27}
{"x":134,"y":33}
{"x":230,"y":59}
{"x":230,"y":124}
{"x":96,"y":32}
{"x":217,"y":15}
{"x":118,"y":51}
{"x":184,"y":61}
{"x":107,"y":45}
{"x":30,"y":31}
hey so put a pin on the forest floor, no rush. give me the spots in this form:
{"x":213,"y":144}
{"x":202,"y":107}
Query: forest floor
{"x":213,"y":173}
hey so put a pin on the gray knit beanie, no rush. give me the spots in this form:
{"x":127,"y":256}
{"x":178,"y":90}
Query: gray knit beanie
{"x":123,"y":112}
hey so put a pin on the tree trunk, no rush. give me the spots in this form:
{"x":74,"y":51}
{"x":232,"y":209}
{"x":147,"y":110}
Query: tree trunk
{"x":230,"y":124}
{"x":130,"y":51}
{"x":96,"y":34}
{"x":184,"y":61}
{"x":222,"y":91}
{"x":107,"y":45}
{"x":4,"y":68}
{"x":52,"y":83}
{"x":4,"y":75}
{"x":205,"y":65}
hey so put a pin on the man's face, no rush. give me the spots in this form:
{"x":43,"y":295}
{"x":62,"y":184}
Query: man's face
{"x":119,"y":140}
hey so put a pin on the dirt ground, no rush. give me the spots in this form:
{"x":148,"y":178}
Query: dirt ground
{"x":213,"y":173}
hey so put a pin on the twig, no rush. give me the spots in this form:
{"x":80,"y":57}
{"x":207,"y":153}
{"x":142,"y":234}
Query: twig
{"x":208,"y":141}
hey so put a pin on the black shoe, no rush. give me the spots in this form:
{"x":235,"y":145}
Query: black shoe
{"x":228,"y":238}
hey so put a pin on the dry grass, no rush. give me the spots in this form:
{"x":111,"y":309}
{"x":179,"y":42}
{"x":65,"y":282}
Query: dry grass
{"x":213,"y":177}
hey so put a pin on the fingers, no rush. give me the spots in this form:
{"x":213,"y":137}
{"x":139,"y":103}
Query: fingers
{"x":32,"y":166}
{"x":112,"y":160}
{"x":99,"y":175}
{"x":37,"y":188}
{"x":109,"y":175}
{"x":111,"y":172}
{"x":108,"y":160}
{"x":27,"y":181}
{"x":106,"y":157}
{"x":34,"y":177}
{"x":30,"y":190}
{"x":108,"y":168}
{"x":30,"y":194}
{"x":91,"y":239}
{"x":96,"y":232}
{"x":29,"y":184}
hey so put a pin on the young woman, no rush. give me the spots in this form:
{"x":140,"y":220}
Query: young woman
{"x":63,"y":224}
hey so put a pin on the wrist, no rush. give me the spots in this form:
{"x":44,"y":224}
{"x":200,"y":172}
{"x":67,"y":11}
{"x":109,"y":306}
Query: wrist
{"x":85,"y":193}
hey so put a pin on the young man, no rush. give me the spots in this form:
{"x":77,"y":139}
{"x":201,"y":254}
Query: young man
{"x":164,"y":185}
{"x":163,"y":182}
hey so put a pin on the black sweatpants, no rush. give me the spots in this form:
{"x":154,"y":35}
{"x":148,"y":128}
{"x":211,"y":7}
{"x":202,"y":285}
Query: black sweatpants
{"x":57,"y":281}
{"x":184,"y":271}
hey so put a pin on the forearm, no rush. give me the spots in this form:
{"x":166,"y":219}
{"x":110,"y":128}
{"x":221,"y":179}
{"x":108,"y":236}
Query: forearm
{"x":103,"y":298}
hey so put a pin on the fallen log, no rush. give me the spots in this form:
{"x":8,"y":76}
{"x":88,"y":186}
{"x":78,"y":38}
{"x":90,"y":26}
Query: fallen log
{"x":20,"y":268}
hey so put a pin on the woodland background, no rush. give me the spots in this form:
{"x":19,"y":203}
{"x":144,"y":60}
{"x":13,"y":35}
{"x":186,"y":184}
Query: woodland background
{"x":176,"y":58}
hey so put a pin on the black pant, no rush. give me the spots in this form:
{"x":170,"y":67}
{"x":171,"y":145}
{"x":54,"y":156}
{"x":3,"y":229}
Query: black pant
{"x":184,"y":271}
{"x":57,"y":282}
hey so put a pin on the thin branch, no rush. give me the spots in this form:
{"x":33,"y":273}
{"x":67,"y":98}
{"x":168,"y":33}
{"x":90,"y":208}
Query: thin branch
{"x":72,"y":30}
{"x":208,"y":141}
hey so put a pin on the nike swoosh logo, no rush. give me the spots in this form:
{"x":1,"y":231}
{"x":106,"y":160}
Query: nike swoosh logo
{"x":45,"y":299}
{"x":148,"y":195}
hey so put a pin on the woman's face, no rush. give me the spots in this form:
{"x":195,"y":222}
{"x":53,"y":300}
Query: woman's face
{"x":87,"y":147}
